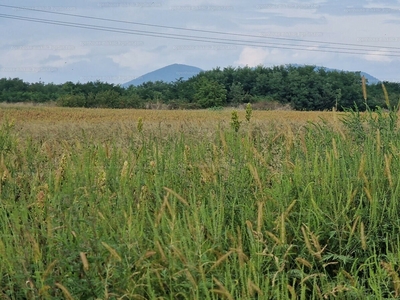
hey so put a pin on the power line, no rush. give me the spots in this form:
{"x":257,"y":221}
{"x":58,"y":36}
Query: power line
{"x":199,"y":39}
{"x":196,"y":30}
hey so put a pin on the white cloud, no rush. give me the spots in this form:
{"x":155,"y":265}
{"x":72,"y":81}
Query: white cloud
{"x":252,"y":56}
{"x":42,"y":53}
{"x":99,"y":53}
{"x":377,"y":56}
{"x":134,"y":59}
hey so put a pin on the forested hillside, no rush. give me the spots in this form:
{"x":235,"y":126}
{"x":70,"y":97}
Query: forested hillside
{"x":298,"y":87}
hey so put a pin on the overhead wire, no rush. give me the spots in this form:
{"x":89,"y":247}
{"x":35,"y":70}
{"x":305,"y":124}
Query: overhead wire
{"x":193,"y":30}
{"x":218,"y":40}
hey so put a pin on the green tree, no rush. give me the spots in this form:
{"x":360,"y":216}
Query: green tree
{"x":13,"y":90}
{"x":210,"y":93}
{"x":108,"y":98}
{"x":262,"y":86}
{"x":69,"y":100}
{"x":236,"y":93}
{"x":247,"y":77}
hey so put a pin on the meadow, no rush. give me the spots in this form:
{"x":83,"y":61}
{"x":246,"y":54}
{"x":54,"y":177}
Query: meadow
{"x":143,"y":204}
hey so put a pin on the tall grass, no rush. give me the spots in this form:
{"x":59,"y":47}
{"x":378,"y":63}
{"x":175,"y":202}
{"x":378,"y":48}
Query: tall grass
{"x":267,"y":212}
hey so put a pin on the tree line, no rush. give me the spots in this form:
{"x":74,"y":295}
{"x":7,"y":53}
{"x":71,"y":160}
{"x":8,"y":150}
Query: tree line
{"x":300,"y":87}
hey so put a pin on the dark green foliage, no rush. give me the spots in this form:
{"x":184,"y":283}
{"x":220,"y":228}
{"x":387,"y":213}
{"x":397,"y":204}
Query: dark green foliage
{"x":303,"y":87}
{"x":72,"y":100}
{"x":236,"y":93}
{"x":210,"y":93}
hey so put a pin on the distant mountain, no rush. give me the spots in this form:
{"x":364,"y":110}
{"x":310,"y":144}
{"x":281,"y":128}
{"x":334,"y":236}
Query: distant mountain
{"x":175,"y":71}
{"x":371,"y":79}
{"x":167,"y":74}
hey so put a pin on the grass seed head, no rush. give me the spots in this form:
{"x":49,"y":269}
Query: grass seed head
{"x":124,"y":170}
{"x":249,"y":112}
{"x":140,"y":125}
{"x":235,"y":123}
{"x":364,"y":88}
{"x":385,"y":93}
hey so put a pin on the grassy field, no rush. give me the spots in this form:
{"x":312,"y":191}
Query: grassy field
{"x":51,"y":121}
{"x":140,"y":204}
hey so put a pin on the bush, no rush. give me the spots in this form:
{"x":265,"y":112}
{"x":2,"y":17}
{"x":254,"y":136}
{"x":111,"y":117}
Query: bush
{"x":72,"y":100}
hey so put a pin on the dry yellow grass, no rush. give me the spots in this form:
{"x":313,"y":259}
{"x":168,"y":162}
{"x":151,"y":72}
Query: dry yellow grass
{"x":32,"y":119}
{"x":58,"y":129}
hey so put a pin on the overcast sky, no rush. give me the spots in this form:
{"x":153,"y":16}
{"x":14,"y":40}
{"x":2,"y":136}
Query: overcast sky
{"x":257,"y":33}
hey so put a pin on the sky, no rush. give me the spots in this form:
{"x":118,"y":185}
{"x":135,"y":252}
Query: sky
{"x":118,"y":41}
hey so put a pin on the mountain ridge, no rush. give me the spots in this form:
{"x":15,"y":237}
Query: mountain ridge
{"x":168,"y":74}
{"x":176,"y":71}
